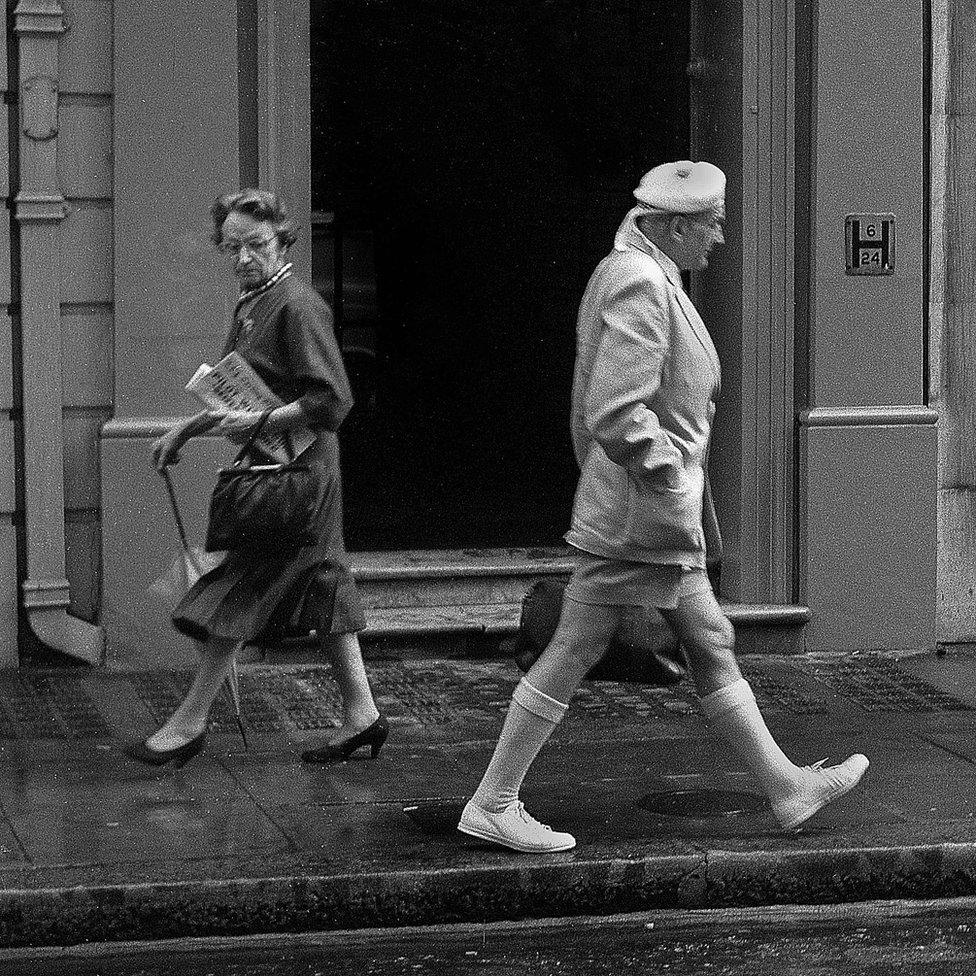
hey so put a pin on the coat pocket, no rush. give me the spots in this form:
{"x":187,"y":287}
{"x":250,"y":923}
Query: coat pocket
{"x":666,"y":519}
{"x":601,"y":498}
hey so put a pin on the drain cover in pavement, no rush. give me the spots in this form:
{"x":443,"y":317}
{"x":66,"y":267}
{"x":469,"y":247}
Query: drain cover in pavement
{"x":437,"y":817}
{"x":703,"y":804}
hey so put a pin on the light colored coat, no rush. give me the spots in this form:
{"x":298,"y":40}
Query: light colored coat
{"x":647,"y":376}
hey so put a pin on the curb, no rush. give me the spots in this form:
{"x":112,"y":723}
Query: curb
{"x":712,"y":879}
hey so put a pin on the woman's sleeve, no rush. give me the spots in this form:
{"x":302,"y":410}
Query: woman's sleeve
{"x":316,"y":363}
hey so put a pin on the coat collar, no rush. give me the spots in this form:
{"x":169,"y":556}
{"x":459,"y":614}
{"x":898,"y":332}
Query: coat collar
{"x":630,"y":235}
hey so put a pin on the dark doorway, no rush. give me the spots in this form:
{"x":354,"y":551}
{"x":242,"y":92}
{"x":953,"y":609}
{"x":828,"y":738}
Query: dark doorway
{"x":471,"y":161}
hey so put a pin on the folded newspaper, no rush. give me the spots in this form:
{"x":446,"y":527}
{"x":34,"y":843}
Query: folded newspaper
{"x":233,"y":385}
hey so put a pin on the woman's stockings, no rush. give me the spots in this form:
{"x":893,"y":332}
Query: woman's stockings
{"x":359,"y":711}
{"x":190,"y":717}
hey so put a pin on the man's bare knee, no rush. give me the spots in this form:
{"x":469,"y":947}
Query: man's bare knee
{"x":712,"y":633}
{"x":584,"y":633}
{"x":712,"y":642}
{"x":711,"y":655}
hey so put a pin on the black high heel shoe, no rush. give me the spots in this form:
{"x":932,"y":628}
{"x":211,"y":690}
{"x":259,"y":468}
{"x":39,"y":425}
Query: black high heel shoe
{"x":374,"y":737}
{"x":160,"y":757}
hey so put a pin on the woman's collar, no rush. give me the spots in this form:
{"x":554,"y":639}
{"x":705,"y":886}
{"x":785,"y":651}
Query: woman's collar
{"x":248,"y":293}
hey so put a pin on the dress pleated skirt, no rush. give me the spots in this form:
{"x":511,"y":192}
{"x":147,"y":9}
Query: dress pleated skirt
{"x":262,"y":598}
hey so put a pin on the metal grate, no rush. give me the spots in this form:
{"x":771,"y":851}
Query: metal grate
{"x":447,"y":697}
{"x":878,"y":685}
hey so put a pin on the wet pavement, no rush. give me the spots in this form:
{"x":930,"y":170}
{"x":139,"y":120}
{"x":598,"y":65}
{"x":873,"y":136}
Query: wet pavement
{"x":95,"y":846}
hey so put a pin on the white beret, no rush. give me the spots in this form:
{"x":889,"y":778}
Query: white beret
{"x":682,"y":188}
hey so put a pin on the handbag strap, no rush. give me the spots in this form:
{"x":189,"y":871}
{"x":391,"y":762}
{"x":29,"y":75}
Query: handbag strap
{"x":253,"y":436}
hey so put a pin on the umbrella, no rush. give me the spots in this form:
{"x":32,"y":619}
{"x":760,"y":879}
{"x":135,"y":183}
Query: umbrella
{"x":192,"y":564}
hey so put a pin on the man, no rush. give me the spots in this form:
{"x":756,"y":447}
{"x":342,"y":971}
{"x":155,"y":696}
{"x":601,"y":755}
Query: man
{"x":646,"y":379}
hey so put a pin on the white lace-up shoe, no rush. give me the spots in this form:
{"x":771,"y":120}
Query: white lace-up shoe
{"x":818,"y":787}
{"x":514,"y":827}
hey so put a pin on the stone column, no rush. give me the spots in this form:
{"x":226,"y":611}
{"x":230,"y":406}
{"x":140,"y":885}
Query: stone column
{"x":868,"y":439}
{"x":952,"y":309}
{"x":199,"y":108}
{"x":176,"y":147}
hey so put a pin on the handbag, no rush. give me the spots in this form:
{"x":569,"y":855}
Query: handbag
{"x":645,"y":650}
{"x":263,"y":507}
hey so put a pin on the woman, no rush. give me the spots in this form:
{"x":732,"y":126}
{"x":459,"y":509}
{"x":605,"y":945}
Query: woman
{"x":284,"y":330}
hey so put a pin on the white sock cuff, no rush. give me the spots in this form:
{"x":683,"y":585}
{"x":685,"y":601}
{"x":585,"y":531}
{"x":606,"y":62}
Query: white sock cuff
{"x":726,"y":699}
{"x":538,"y":702}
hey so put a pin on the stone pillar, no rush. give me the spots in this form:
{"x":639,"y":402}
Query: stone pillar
{"x":199,"y":108}
{"x":868,"y":439}
{"x":952,"y":309}
{"x":176,"y":147}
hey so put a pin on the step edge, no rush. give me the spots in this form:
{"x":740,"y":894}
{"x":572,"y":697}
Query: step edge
{"x":466,"y":618}
{"x":772,"y":613}
{"x":376,"y":574}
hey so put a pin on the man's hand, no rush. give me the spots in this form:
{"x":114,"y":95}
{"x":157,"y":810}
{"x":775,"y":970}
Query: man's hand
{"x":166,"y":450}
{"x":673,"y":477}
{"x":238,"y":425}
{"x":668,"y":477}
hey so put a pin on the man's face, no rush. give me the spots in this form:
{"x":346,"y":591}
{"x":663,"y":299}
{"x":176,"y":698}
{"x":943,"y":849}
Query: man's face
{"x":698,"y":235}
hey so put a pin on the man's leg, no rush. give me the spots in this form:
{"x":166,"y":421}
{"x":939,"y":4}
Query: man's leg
{"x":538,"y":704}
{"x":796,"y":793}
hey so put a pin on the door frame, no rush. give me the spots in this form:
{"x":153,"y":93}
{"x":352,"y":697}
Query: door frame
{"x":771,"y":80}
{"x":274,"y":106}
{"x":754,"y":98}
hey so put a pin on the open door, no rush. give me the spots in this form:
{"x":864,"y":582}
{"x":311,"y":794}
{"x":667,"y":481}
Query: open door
{"x":471,"y":162}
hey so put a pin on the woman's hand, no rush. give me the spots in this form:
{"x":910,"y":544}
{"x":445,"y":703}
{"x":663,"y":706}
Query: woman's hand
{"x":238,"y":425}
{"x":166,"y":450}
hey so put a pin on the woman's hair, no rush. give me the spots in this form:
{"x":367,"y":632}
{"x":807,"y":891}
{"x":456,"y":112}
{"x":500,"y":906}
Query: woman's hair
{"x":259,"y":204}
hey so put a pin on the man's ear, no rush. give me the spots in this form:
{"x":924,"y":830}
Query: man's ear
{"x":676,"y":227}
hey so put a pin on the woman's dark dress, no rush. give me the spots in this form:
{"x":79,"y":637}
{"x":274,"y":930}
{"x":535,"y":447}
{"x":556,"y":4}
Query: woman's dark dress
{"x":259,"y":597}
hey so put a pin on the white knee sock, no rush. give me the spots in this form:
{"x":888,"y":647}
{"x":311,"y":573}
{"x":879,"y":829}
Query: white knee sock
{"x":733,"y":712}
{"x":531,"y":718}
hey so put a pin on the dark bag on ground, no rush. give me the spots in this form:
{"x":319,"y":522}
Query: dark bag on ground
{"x":264,"y":507}
{"x":645,"y":649}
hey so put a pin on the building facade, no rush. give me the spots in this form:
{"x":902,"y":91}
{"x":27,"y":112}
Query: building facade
{"x":456,"y":172}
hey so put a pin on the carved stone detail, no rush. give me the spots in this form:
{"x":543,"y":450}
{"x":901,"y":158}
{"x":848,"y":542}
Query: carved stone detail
{"x":39,"y":107}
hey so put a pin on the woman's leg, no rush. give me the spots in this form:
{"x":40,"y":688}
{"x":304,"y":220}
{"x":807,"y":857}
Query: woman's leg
{"x":190,"y":717}
{"x":359,"y":711}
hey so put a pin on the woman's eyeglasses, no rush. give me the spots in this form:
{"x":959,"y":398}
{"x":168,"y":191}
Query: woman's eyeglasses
{"x":255,"y":247}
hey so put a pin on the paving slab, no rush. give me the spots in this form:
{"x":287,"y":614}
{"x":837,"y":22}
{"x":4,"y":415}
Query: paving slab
{"x":95,"y":846}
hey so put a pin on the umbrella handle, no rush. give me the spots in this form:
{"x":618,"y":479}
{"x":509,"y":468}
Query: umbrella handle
{"x":233,"y":689}
{"x":240,"y":728}
{"x":164,"y":474}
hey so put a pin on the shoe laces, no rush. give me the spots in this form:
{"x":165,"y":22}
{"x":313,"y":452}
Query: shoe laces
{"x":527,"y":817}
{"x":832,"y":775}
